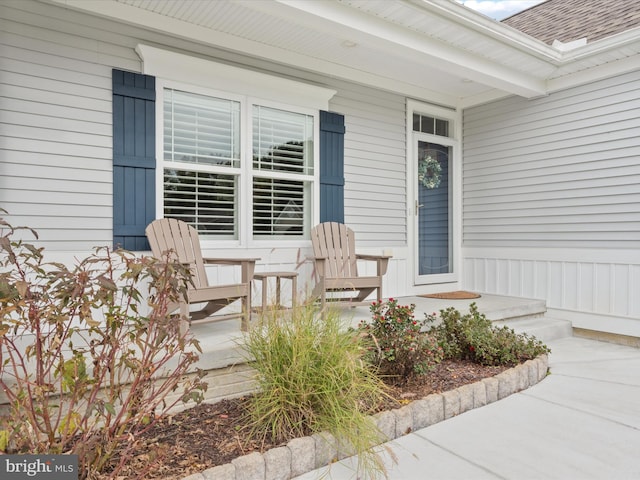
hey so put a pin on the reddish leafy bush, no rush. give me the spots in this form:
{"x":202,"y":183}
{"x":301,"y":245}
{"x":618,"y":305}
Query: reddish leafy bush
{"x":399,"y":346}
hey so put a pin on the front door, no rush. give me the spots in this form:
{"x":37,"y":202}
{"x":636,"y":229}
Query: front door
{"x":432,"y":210}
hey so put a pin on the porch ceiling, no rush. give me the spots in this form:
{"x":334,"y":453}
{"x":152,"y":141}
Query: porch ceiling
{"x":434,"y":50}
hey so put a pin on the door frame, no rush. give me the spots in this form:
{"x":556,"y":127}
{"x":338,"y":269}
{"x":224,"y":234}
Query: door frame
{"x":455,"y":195}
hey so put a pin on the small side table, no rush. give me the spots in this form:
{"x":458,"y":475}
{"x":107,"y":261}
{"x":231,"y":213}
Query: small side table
{"x":264,"y":278}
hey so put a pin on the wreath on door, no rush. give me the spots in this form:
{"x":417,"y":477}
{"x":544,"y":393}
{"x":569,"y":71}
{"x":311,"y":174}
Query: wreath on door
{"x":429,"y":172}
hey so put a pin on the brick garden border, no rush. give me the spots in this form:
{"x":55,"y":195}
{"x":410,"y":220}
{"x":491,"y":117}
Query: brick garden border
{"x":302,"y":455}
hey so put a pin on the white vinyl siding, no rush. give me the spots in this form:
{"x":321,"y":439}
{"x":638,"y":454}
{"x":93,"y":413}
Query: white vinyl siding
{"x":552,"y":202}
{"x":375,"y":164}
{"x":55,"y":128}
{"x":56,"y":137}
{"x":561,"y":170}
{"x":549,"y":184}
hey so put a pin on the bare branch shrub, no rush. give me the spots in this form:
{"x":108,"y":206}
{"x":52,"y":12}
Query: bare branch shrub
{"x":90,"y":356}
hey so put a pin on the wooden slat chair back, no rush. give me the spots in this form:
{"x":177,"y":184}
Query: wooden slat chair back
{"x":336,"y":244}
{"x":336,"y":263}
{"x":182,"y":240}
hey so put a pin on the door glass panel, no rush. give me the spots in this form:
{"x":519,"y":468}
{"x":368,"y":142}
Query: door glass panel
{"x":433,"y":209}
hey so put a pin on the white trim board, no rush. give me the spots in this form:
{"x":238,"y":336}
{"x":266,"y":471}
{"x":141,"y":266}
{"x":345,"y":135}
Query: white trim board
{"x":198,"y":71}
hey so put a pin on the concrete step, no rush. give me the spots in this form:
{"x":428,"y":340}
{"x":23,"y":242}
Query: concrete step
{"x":544,"y":328}
{"x":495,"y":307}
{"x":523,"y":309}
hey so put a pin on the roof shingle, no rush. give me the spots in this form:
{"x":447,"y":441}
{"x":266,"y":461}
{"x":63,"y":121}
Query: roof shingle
{"x":568,"y":20}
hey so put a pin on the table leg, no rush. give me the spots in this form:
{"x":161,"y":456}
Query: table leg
{"x":294,"y":290}
{"x":265,"y":283}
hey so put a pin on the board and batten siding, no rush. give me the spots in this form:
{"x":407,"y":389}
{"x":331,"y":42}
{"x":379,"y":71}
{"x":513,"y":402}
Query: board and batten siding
{"x":551,"y":201}
{"x":56,"y":134}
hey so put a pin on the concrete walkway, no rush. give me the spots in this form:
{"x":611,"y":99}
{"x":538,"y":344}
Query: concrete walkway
{"x":581,"y":422}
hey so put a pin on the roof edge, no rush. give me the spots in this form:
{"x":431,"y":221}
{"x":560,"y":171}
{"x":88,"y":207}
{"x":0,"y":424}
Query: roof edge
{"x":487,"y":26}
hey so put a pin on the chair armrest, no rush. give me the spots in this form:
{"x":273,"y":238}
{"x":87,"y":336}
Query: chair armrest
{"x":360,"y":256}
{"x":228,"y":261}
{"x":382,"y":262}
{"x":247,"y":265}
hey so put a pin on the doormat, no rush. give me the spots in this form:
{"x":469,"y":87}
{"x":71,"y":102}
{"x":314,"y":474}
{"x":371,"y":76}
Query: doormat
{"x":457,"y":295}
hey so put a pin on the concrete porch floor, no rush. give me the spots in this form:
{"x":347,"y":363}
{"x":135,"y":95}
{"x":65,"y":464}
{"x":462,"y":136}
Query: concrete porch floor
{"x":220,"y":341}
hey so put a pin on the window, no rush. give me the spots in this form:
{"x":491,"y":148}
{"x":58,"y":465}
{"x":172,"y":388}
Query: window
{"x":282,"y":172}
{"x":202,"y":161}
{"x":211,"y":170}
{"x":237,"y":168}
{"x":432,"y":125}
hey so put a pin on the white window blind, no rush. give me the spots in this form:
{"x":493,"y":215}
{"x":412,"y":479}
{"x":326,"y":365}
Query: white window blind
{"x":279,"y":207}
{"x":201,"y":129}
{"x":282,"y":141}
{"x":283,"y":150}
{"x":207,"y":201}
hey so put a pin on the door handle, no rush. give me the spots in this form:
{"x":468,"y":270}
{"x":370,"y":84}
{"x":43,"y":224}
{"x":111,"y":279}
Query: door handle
{"x":418,"y":205}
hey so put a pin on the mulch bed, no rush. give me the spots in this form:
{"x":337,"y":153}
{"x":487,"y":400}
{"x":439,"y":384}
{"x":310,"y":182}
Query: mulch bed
{"x":214,"y":434}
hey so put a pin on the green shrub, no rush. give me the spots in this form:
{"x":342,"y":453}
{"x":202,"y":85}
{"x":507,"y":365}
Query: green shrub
{"x":312,"y":378}
{"x":86,"y":362}
{"x":399,"y":347}
{"x":473,"y":337}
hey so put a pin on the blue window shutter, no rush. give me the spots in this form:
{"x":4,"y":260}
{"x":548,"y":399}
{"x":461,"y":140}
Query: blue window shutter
{"x":134,"y":163}
{"x":331,"y":167}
